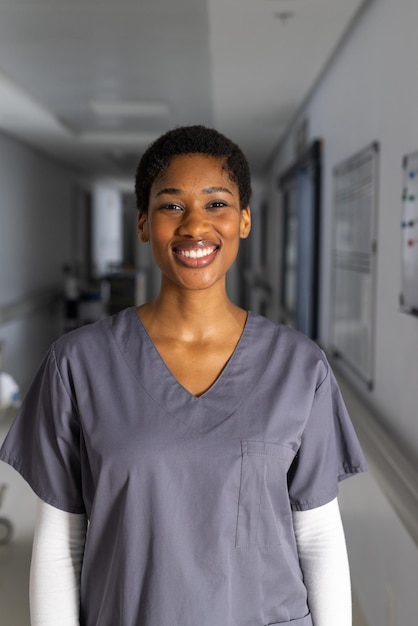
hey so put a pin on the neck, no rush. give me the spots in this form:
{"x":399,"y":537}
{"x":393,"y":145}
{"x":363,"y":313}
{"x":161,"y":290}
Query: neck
{"x":191,"y":314}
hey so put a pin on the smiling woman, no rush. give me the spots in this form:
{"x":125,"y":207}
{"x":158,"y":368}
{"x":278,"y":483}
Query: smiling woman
{"x":202,"y":443}
{"x":196,"y":224}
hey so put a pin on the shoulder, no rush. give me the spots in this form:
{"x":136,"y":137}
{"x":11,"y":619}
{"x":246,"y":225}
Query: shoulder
{"x":291,"y":348}
{"x":93,"y":340}
{"x":286,"y":337}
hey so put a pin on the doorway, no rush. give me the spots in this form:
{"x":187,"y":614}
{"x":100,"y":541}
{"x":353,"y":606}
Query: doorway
{"x":301,"y":196}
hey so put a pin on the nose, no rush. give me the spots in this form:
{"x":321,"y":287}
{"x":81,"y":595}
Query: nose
{"x":194,"y":223}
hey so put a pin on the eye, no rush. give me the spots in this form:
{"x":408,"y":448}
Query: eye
{"x":170,"y":206}
{"x":217,"y":204}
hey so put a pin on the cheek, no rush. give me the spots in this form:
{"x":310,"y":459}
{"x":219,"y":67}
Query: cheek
{"x":230,"y":227}
{"x":159,"y":231}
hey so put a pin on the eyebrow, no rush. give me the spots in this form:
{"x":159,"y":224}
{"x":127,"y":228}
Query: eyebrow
{"x":206,"y":190}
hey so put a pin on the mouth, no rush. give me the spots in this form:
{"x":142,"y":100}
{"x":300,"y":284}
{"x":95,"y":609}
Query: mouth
{"x":197,"y":254}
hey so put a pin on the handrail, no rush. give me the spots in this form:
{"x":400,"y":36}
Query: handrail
{"x":27,"y":305}
{"x":394,"y":471}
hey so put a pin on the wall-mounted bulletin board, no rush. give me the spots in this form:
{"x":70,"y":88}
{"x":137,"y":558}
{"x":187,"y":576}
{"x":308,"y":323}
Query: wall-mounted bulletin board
{"x":354,"y":251}
{"x":409,"y":236}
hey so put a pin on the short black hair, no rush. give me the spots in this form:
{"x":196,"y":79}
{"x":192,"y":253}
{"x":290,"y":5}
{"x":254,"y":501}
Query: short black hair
{"x":191,"y":140}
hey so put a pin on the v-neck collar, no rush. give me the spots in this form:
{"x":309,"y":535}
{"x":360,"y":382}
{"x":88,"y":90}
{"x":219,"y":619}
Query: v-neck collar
{"x":235,"y":383}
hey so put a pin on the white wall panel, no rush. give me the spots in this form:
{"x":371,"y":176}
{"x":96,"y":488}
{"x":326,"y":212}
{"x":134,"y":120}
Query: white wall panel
{"x":36,"y":197}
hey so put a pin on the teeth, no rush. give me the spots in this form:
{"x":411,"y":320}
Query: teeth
{"x":196,"y":254}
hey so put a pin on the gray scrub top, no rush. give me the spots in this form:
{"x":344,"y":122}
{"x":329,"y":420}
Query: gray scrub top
{"x":189,"y":499}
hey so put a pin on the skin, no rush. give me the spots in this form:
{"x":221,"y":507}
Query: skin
{"x":194,"y":225}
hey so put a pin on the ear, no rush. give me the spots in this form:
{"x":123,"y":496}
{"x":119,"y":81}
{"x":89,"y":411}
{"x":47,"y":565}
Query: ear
{"x":245,"y":223}
{"x":143,"y":227}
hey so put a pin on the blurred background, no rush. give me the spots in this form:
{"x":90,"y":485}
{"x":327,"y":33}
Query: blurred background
{"x":321,"y":95}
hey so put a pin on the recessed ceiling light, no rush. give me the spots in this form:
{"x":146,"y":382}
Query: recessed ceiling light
{"x":116,"y":138}
{"x":130,"y":108}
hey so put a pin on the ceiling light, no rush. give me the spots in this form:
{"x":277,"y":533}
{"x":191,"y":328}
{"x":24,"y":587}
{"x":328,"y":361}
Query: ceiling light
{"x":117,"y":138}
{"x":130,"y":108}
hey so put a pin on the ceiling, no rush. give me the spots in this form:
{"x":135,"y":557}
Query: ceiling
{"x":92,"y":82}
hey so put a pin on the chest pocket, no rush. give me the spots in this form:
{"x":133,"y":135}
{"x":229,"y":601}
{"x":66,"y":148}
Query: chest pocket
{"x":263,"y":496}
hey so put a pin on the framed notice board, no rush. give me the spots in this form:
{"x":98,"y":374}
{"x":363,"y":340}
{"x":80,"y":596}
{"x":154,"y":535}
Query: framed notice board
{"x":354,"y":250}
{"x":409,"y":236}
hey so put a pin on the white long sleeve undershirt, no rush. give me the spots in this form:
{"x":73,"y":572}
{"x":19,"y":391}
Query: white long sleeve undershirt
{"x":59,"y":546}
{"x":57,"y":557}
{"x":323,"y":559}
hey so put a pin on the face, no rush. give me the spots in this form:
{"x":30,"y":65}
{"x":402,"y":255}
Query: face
{"x":194,"y":221}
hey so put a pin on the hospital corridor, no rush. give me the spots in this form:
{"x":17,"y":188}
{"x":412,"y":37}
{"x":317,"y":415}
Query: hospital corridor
{"x":322,"y":98}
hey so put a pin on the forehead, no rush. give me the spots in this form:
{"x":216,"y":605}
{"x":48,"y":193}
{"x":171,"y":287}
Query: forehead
{"x":194,"y":169}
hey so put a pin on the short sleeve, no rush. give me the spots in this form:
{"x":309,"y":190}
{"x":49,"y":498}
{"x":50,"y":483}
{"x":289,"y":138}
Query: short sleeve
{"x":329,"y":451}
{"x":43,"y":443}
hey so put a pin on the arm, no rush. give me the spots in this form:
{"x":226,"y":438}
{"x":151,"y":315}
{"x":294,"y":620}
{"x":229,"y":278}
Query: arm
{"x":323,"y":559}
{"x":57,"y":557}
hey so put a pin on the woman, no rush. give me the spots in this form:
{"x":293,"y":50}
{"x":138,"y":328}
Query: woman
{"x":202,"y":443}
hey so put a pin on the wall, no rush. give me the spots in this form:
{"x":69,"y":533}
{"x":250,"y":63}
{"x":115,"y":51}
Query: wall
{"x":36,"y":233}
{"x":369,"y":93}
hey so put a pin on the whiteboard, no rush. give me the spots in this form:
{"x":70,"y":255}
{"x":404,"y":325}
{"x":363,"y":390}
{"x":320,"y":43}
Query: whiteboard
{"x":353,"y":266}
{"x":409,"y":235}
